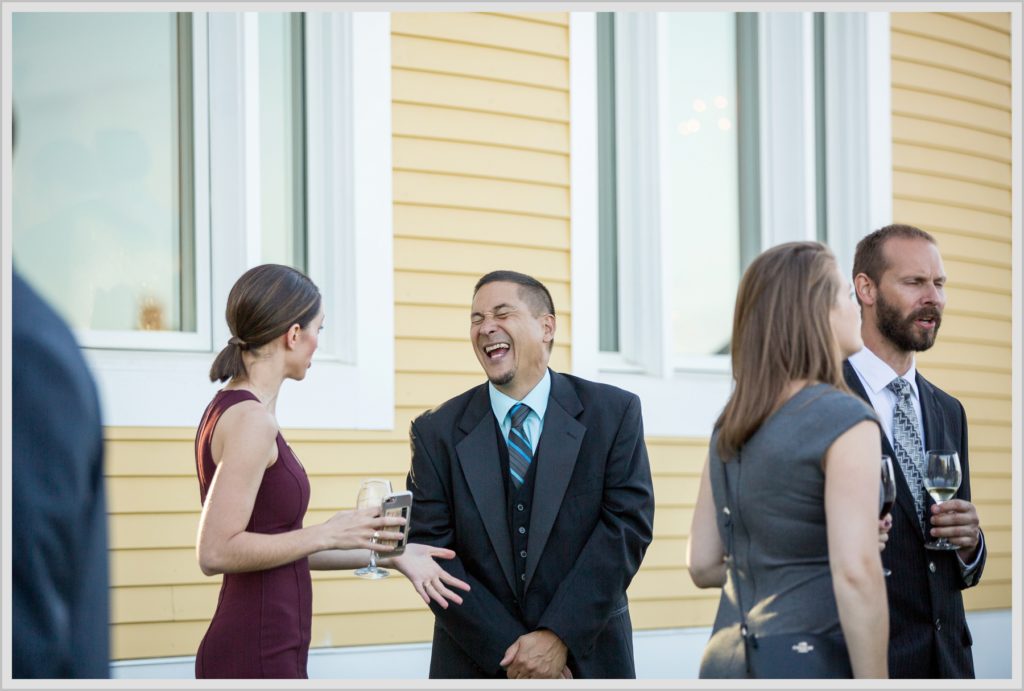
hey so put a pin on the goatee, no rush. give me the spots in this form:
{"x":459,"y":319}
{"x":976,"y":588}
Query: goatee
{"x":901,"y":331}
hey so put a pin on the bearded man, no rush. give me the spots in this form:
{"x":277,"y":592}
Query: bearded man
{"x":900,"y":284}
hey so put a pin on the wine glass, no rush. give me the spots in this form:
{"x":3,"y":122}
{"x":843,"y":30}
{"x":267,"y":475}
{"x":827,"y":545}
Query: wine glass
{"x":372,"y":493}
{"x":942,"y":480}
{"x":886,"y":494}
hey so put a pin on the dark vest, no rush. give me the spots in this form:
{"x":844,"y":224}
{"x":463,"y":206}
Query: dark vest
{"x":518,"y":503}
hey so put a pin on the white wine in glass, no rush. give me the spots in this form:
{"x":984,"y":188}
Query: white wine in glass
{"x":371,"y":494}
{"x":941,"y":480}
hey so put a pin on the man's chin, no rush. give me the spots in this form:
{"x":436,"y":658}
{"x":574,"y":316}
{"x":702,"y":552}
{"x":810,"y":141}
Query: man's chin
{"x":501,"y":378}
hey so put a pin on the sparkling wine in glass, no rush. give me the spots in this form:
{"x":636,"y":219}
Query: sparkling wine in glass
{"x":942,"y":480}
{"x":886,"y":494}
{"x":372,"y":493}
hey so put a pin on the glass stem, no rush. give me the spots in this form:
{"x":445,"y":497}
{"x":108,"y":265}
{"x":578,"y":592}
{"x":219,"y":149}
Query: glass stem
{"x":373,"y":560}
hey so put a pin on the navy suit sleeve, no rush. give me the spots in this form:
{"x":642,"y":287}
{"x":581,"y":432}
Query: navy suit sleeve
{"x":971,"y":576}
{"x":481,"y":624}
{"x":586,"y":598}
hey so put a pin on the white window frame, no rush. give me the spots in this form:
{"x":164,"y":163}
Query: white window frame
{"x":348,"y":74}
{"x":683,"y":396}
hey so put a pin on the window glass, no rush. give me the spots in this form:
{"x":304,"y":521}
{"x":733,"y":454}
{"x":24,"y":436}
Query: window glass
{"x":102,"y":189}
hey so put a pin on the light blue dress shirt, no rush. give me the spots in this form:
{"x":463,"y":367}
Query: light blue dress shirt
{"x":537,"y":400}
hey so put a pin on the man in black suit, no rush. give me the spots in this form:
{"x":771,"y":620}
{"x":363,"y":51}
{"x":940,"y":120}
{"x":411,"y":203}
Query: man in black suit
{"x":900,"y":280}
{"x":541,"y":484}
{"x":59,"y":623}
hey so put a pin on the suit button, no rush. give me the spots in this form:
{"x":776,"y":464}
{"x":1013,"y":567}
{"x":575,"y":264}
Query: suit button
{"x":520,"y":507}
{"x":522,"y":530}
{"x":938,"y":625}
{"x":931,"y":566}
{"x":522,"y":576}
{"x":522,"y":553}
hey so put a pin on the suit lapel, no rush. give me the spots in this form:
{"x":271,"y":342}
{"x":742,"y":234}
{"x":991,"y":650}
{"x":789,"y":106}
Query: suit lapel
{"x":477,"y":455}
{"x":558,"y":449}
{"x":903,"y":498}
{"x":931,"y":417}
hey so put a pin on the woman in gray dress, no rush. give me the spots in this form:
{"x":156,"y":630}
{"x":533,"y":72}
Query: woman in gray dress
{"x":802,"y":457}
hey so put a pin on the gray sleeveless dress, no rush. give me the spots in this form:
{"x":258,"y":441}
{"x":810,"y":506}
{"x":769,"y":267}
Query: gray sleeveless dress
{"x":780,"y":541}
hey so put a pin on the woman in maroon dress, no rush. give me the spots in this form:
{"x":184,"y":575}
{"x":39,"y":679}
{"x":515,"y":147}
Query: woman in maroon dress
{"x":255,"y":493}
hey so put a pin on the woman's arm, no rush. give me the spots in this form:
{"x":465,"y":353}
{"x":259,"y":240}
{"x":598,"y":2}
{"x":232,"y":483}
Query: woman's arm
{"x":248,"y":445}
{"x":851,"y":511}
{"x":705,"y":554}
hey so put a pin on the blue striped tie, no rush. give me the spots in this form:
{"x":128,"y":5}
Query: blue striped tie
{"x":520,"y":453}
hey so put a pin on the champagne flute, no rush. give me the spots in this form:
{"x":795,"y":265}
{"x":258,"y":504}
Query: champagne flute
{"x":372,"y":493}
{"x":942,"y":480}
{"x":886,"y":495}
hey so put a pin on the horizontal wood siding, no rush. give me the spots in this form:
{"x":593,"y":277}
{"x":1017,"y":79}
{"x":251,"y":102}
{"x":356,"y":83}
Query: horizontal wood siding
{"x":951,"y":176}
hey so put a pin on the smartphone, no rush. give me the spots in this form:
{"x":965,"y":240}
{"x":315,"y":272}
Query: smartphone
{"x":398,"y":504}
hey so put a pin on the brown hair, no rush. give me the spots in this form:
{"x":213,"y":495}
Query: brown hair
{"x":869,"y":258}
{"x":263,"y":304}
{"x":531,"y":291}
{"x":781,"y":332}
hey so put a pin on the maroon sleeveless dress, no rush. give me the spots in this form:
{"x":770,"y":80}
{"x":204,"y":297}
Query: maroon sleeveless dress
{"x":263,"y":621}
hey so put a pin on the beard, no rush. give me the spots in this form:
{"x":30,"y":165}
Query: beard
{"x":901,"y":331}
{"x":502,"y":379}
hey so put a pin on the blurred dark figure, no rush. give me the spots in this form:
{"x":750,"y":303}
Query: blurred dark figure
{"x":60,"y":620}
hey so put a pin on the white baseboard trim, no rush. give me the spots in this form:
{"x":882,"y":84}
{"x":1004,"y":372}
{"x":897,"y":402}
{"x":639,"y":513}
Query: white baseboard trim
{"x":659,"y":654}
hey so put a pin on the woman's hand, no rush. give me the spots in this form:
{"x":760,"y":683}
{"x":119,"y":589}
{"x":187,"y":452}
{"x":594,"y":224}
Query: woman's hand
{"x":884,"y":526}
{"x":359,"y":529}
{"x":427,"y":577}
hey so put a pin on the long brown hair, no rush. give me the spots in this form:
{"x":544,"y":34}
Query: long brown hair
{"x":781,"y":332}
{"x":263,"y":304}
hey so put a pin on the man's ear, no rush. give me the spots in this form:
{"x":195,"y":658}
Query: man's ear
{"x":548,"y":324}
{"x":867,"y":290}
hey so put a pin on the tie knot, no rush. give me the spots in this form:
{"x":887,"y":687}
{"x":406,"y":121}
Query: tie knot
{"x":900,"y":387}
{"x":519,"y":412}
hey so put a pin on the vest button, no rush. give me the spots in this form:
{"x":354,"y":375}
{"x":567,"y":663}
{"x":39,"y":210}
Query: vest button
{"x":522,"y":553}
{"x":938,"y":625}
{"x":522,"y":576}
{"x":931,"y":566}
{"x":522,"y":530}
{"x":520,"y":507}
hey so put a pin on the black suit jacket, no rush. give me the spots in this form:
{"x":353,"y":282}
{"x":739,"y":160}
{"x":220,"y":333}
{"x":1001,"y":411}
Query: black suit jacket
{"x":928,"y":634}
{"x":59,"y":623}
{"x":590,"y":524}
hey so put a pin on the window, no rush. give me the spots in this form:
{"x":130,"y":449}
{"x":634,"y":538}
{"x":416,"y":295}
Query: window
{"x":700,"y":138}
{"x":162,"y":154}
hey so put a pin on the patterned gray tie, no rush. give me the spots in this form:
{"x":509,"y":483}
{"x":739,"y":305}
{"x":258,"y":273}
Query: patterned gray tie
{"x":906,"y":442}
{"x":520,"y":453}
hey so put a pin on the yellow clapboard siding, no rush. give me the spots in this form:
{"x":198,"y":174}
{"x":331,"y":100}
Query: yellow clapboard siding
{"x":663,"y":584}
{"x":954,"y":84}
{"x":340,"y":491}
{"x":149,"y":495}
{"x":351,"y":458}
{"x":685,"y":459}
{"x":480,"y":226}
{"x":952,"y":57}
{"x":453,"y":124}
{"x":970,"y":329}
{"x":961,"y":382}
{"x":473,"y":259}
{"x":484,"y":29}
{"x":671,"y":521}
{"x":988,"y":595}
{"x":1000,"y":21}
{"x":431,"y":389}
{"x":152,"y":530}
{"x":157,"y":639}
{"x":986,"y":489}
{"x":953,"y":31}
{"x":933,"y":216}
{"x":968,"y":274}
{"x":422,"y":321}
{"x":935,"y":188}
{"x":954,"y":111}
{"x":987,"y":409}
{"x":151,"y":457}
{"x":950,"y":352}
{"x":481,"y":193}
{"x":666,"y":552}
{"x":479,"y":94}
{"x":131,"y":605}
{"x":910,"y":130}
{"x":455,"y":158}
{"x":663,"y":614}
{"x":456,"y":290}
{"x":558,"y":19}
{"x":995,"y":514}
{"x":955,"y":165}
{"x":989,"y":463}
{"x":967,"y":248}
{"x":447,"y":57}
{"x":998,"y":540}
{"x":980,"y":302}
{"x":134,"y":567}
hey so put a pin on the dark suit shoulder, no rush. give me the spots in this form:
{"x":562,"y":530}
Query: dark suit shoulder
{"x":944,"y":399}
{"x":447,"y":414}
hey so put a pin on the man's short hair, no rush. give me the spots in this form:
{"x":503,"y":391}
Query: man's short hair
{"x":531,"y":290}
{"x":869,"y":258}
